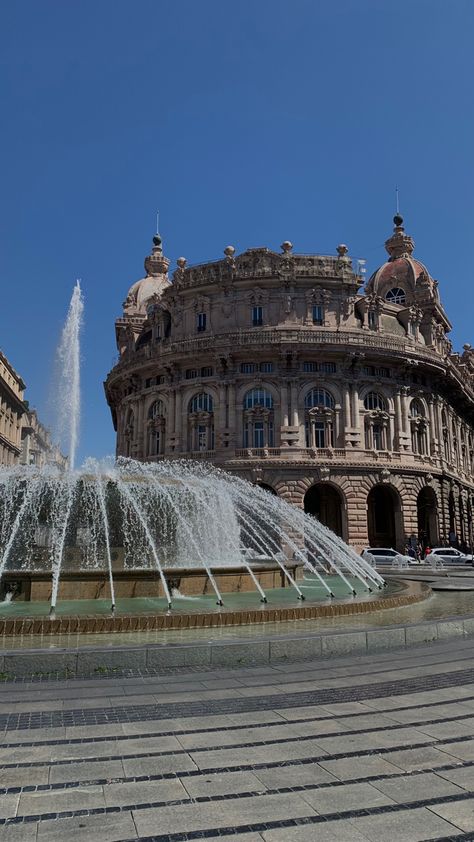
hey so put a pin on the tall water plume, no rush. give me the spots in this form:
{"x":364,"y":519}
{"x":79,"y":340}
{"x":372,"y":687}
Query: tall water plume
{"x":67,"y":382}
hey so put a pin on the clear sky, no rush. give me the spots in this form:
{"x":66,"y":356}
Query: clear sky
{"x":245,"y":123}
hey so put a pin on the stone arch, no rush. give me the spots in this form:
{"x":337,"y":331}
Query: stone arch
{"x":266,"y":487}
{"x":379,"y":389}
{"x":322,"y":386}
{"x":427,"y":512}
{"x":325,"y":501}
{"x":385,"y":517}
{"x":151,"y":399}
{"x":252,"y":384}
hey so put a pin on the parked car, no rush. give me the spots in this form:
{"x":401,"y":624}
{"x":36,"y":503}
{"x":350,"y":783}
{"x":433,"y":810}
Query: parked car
{"x":448,"y":555}
{"x":386,"y":555}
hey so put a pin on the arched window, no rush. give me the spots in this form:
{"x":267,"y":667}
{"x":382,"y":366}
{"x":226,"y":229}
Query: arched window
{"x":156,"y":429}
{"x":201,"y":423}
{"x":201,"y":403}
{"x":376,"y":422}
{"x":258,"y":421}
{"x":417,"y":410}
{"x":396,"y":296}
{"x":373,"y":400}
{"x":319,"y":418}
{"x":419,"y":430}
{"x":319,"y":397}
{"x":258,"y":397}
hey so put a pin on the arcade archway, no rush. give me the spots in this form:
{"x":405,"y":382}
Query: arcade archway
{"x":325,"y":503}
{"x":427,"y":507}
{"x":384,"y":517}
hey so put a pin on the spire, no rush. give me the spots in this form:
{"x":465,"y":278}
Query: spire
{"x":399,"y":244}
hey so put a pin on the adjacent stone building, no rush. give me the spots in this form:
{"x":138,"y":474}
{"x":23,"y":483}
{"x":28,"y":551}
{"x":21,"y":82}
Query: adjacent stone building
{"x":282,"y":368}
{"x":36,"y":445}
{"x":12,"y":408}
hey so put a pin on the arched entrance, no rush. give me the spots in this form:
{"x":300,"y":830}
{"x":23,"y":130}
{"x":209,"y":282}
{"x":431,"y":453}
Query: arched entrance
{"x":427,"y":507}
{"x":325,"y":503}
{"x":384,"y":517}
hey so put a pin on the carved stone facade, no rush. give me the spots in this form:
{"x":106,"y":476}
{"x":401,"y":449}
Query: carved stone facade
{"x":11,"y":411}
{"x":280,"y":368}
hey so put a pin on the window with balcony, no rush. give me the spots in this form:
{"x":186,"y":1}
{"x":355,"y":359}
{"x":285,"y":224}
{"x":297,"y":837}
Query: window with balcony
{"x":318,"y":314}
{"x":319,"y":418}
{"x":258,"y":420}
{"x":201,"y":422}
{"x":156,"y":429}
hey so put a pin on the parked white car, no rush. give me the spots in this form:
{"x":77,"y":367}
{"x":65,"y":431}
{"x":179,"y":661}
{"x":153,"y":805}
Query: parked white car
{"x":387,"y":555}
{"x":448,"y":555}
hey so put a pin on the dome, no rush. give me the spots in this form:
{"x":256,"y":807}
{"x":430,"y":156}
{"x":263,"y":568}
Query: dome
{"x":152,"y":285}
{"x":401,"y":273}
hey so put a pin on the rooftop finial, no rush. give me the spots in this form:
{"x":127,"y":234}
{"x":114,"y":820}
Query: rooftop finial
{"x":397,"y":219}
{"x":157,"y":241}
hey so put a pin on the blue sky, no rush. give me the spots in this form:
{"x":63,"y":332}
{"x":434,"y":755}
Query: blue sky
{"x":245,"y":123}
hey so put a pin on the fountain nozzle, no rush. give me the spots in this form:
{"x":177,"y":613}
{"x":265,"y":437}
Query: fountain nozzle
{"x":112,"y":608}
{"x":52,"y":612}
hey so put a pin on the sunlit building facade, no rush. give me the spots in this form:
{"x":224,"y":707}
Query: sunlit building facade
{"x":344,"y":399}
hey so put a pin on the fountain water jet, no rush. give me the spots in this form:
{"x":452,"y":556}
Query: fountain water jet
{"x":175,"y":518}
{"x":68,"y":396}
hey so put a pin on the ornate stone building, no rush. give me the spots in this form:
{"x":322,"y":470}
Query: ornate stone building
{"x":12,"y":408}
{"x":281,"y":368}
{"x":36,"y":445}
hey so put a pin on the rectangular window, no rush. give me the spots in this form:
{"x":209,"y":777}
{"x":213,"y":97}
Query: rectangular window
{"x":266,"y":368}
{"x":201,"y":322}
{"x":327,"y":368}
{"x":191,"y":373}
{"x":318,"y":314}
{"x":376,"y":371}
{"x":257,"y":316}
{"x":372,"y":319}
{"x":378,"y":437}
{"x":148,"y":382}
{"x":258,"y":436}
{"x":320,"y":438}
{"x":247,"y":368}
{"x":207,"y":371}
{"x":160,"y":379}
{"x":202,"y":437}
{"x":310,"y":366}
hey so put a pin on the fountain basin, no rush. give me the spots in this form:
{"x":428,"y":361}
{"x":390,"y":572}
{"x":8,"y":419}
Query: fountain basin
{"x":152,"y":614}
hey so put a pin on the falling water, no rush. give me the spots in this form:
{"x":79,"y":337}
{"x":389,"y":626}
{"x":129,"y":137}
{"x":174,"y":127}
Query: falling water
{"x":164,"y":516}
{"x":68,"y":398}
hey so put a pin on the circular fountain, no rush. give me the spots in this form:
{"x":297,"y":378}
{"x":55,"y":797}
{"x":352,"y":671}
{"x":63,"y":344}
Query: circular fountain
{"x":129,"y":545}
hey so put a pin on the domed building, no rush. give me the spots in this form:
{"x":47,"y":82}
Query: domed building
{"x":281,"y":368}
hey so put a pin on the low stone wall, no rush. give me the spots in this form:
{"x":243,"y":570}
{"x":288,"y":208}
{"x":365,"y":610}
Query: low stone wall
{"x":97,"y":660}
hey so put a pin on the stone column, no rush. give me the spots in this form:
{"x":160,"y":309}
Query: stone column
{"x":398,"y":420}
{"x":284,"y":404}
{"x":294,"y":405}
{"x":432,"y":433}
{"x":178,"y":420}
{"x":232,"y":425}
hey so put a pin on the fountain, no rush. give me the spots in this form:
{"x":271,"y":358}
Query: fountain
{"x":127,"y":537}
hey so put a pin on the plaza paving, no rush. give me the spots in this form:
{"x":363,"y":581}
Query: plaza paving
{"x":377,"y":747}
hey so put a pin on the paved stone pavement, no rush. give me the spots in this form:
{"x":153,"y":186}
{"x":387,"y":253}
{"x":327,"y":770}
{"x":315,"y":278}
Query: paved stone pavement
{"x":376,"y":747}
